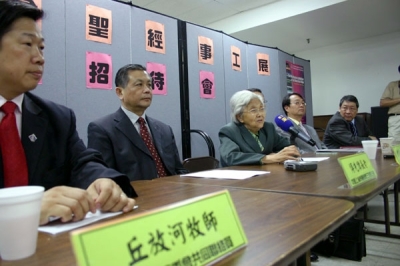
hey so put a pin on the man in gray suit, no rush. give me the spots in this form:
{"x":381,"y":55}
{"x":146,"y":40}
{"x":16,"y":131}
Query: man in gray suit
{"x":132,"y":142}
{"x":294,"y":106}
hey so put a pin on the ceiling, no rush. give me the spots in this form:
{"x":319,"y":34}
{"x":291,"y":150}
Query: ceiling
{"x":290,"y":25}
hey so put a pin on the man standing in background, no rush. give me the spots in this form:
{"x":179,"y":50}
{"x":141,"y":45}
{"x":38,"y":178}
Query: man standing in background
{"x":391,"y":98}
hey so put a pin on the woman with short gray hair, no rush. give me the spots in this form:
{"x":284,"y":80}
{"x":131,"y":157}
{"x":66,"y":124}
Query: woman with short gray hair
{"x":248,"y":139}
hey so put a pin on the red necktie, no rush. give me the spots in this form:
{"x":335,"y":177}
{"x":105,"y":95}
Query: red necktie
{"x":144,"y":133}
{"x":15,"y":168}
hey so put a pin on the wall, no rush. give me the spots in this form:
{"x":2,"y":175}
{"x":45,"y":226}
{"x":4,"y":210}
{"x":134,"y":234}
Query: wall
{"x":363,"y":68}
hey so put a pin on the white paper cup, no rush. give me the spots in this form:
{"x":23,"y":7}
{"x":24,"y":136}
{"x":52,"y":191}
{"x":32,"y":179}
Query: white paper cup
{"x":370,"y":147}
{"x":386,"y":145}
{"x":19,"y":221}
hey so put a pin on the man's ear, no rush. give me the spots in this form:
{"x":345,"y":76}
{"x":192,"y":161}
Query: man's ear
{"x":286,"y":108}
{"x":120,"y":92}
{"x":239,"y":118}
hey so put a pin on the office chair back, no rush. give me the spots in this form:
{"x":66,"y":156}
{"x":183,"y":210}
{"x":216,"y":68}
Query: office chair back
{"x":197,"y":164}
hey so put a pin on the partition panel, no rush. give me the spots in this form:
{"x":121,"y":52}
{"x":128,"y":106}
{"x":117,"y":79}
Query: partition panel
{"x":268,"y":84}
{"x":165,"y":108}
{"x":53,"y":82}
{"x":205,"y":114}
{"x":90,"y":104}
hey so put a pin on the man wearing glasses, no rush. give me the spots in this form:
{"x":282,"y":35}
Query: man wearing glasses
{"x":345,"y":128}
{"x":294,"y":106}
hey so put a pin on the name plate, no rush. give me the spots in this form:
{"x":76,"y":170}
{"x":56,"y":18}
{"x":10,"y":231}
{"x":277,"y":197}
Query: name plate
{"x":357,"y":169}
{"x":396,"y":152}
{"x":192,"y":232}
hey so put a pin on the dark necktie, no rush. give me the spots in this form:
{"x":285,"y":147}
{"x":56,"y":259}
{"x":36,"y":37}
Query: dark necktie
{"x":144,"y":133}
{"x":15,"y":168}
{"x":353,"y":129}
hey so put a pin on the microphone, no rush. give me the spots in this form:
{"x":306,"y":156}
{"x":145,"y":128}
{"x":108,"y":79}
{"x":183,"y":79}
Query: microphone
{"x":286,"y":125}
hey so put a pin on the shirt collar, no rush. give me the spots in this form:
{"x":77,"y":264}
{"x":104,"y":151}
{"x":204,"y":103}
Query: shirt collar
{"x":131,"y":115}
{"x":295,"y":121}
{"x":17,"y":100}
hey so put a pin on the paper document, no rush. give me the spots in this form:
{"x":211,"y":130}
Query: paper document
{"x":341,"y":150}
{"x":59,"y":227}
{"x":227,"y":174}
{"x":314,"y":159}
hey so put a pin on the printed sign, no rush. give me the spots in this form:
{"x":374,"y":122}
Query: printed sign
{"x":357,"y":169}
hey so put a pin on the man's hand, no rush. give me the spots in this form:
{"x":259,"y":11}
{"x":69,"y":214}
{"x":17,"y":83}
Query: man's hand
{"x":68,"y":203}
{"x":108,"y":196}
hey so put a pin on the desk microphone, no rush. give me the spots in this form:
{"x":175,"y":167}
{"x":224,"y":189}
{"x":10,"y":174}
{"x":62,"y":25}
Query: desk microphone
{"x":286,"y":125}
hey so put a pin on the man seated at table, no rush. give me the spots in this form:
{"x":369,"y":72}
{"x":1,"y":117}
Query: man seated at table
{"x":248,"y":139}
{"x":294,"y":106}
{"x":132,"y":142}
{"x":345,"y":128}
{"x":38,"y":138}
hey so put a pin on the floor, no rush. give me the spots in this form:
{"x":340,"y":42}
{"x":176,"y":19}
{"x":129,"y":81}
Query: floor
{"x":381,"y":251}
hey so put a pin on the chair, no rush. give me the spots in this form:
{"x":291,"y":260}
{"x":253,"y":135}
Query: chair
{"x":197,"y":164}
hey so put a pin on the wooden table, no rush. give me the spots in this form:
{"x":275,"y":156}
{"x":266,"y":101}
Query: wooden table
{"x":327,"y":181}
{"x":279,"y":227}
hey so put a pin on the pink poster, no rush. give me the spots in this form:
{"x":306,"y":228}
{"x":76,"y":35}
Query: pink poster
{"x":207,"y":85}
{"x":98,"y":71}
{"x":158,"y":74}
{"x":295,"y":78}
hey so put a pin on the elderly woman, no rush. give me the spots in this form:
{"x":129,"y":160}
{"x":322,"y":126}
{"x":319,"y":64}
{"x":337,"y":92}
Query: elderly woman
{"x":248,"y":139}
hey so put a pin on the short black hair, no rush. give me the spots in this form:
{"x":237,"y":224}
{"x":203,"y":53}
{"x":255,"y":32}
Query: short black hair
{"x":348,"y":98}
{"x":122,"y":78}
{"x":286,"y":100}
{"x":12,"y":10}
{"x":255,"y":90}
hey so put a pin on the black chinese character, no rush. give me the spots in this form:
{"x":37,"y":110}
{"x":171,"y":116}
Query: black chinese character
{"x":205,"y":51}
{"x":98,"y":26}
{"x":135,"y":252}
{"x":213,"y":250}
{"x":196,"y":257}
{"x":99,"y":72}
{"x":210,"y":221}
{"x":228,"y":242}
{"x":178,"y":232}
{"x":221,"y":245}
{"x":157,"y":243}
{"x":193,"y":227}
{"x":263,"y":65}
{"x":205,"y":253}
{"x":154,"y":39}
{"x":236,"y":60}
{"x":158,"y":80}
{"x":187,"y":261}
{"x":207,"y":86}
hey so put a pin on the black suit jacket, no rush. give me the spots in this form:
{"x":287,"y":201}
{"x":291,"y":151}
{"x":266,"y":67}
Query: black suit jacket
{"x":58,"y":156}
{"x":124,"y":150}
{"x":338,"y":132}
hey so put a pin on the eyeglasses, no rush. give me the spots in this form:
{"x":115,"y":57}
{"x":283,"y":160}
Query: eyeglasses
{"x":256,"y":111}
{"x":299,"y":103}
{"x":350,"y":108}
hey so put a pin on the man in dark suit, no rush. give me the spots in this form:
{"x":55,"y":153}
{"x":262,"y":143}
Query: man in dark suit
{"x":38,"y":139}
{"x":294,"y":106}
{"x":345,"y":128}
{"x":120,"y":136}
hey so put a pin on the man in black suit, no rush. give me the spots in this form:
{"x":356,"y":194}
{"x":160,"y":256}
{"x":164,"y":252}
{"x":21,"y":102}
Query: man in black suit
{"x":119,"y":136}
{"x":50,"y":152}
{"x":345,"y":128}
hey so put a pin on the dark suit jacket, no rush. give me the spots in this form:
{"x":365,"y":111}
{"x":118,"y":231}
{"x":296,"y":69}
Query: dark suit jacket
{"x":338,"y":132}
{"x":124,"y":150}
{"x":239,"y":147}
{"x":301,"y":145}
{"x":58,"y":156}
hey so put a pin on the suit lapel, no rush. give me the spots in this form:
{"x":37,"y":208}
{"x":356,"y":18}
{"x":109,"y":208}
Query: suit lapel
{"x":125,"y":126}
{"x":33,"y":132}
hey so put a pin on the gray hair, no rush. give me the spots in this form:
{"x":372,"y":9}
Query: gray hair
{"x":240,"y":100}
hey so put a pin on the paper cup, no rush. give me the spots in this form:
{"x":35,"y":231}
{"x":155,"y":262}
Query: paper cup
{"x":370,"y":147}
{"x":19,"y":221}
{"x":386,"y":145}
